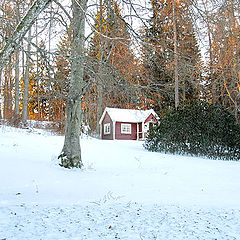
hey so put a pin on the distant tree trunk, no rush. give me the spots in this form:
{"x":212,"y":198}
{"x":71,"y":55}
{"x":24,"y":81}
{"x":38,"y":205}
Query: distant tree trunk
{"x":37,"y":59}
{"x":26,"y":81}
{"x":8,"y":86}
{"x":209,"y":37}
{"x":16,"y":110}
{"x":175,"y":57}
{"x":50,"y":117}
{"x":71,"y":153}
{"x":99,"y":106}
{"x":23,"y":74}
{"x":0,"y":94}
{"x":17,"y":75}
{"x":5,"y":97}
{"x":100,"y":88}
{"x":7,"y":92}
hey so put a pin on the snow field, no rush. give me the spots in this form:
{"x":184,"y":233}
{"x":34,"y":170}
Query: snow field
{"x":117,"y":221}
{"x":123,"y":192}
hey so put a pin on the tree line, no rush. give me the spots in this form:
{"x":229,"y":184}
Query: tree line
{"x":66,"y":61}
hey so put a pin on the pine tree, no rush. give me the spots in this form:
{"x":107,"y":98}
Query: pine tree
{"x":158,"y":54}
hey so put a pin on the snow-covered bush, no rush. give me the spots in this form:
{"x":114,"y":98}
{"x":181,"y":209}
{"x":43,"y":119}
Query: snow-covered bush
{"x":200,"y":129}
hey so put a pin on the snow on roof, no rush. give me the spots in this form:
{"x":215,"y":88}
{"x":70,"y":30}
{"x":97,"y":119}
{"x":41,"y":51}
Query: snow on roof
{"x":127,"y":115}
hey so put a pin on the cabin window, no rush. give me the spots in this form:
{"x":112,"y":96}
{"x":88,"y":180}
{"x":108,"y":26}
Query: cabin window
{"x":126,"y":128}
{"x":107,"y":128}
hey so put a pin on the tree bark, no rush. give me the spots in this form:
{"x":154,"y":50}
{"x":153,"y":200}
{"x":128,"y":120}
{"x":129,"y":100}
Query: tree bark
{"x":175,"y":57}
{"x":5,"y":91}
{"x":99,"y":105}
{"x":16,"y":109}
{"x":70,"y":156}
{"x":26,"y":81}
{"x":209,"y":36}
{"x":37,"y":59}
{"x":100,"y":88}
{"x":17,"y":75}
{"x":50,"y":117}
{"x":0,"y":94}
{"x":37,"y":7}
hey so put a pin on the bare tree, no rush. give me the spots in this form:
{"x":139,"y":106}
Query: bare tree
{"x":71,"y":153}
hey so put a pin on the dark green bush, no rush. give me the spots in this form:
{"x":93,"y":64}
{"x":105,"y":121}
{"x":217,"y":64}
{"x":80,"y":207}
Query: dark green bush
{"x":199,"y":129}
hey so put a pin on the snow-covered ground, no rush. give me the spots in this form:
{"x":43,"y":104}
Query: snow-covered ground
{"x":123,"y":192}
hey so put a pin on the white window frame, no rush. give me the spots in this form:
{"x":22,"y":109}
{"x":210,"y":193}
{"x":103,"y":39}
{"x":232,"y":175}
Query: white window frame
{"x":126,"y":128}
{"x":106,"y":128}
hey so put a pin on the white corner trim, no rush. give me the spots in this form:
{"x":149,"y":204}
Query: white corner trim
{"x":103,"y":115}
{"x":114,"y":130}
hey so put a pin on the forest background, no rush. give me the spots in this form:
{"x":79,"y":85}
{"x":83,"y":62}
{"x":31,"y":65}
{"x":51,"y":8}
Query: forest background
{"x":126,"y":54}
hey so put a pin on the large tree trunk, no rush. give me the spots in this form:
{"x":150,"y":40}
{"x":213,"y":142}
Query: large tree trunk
{"x":71,"y":153}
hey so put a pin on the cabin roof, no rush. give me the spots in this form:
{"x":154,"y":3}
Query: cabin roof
{"x":127,"y":115}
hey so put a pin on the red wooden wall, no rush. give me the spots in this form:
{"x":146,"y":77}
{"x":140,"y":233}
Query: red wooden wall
{"x":132,"y":136}
{"x":107,"y":119}
{"x":151,"y":118}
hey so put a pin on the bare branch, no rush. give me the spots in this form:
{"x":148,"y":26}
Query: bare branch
{"x":25,"y":24}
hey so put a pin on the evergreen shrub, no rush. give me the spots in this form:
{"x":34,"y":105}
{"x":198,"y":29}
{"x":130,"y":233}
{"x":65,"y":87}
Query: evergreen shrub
{"x":199,"y":129}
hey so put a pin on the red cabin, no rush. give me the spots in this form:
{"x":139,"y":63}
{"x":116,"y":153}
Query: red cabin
{"x":126,"y":124}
